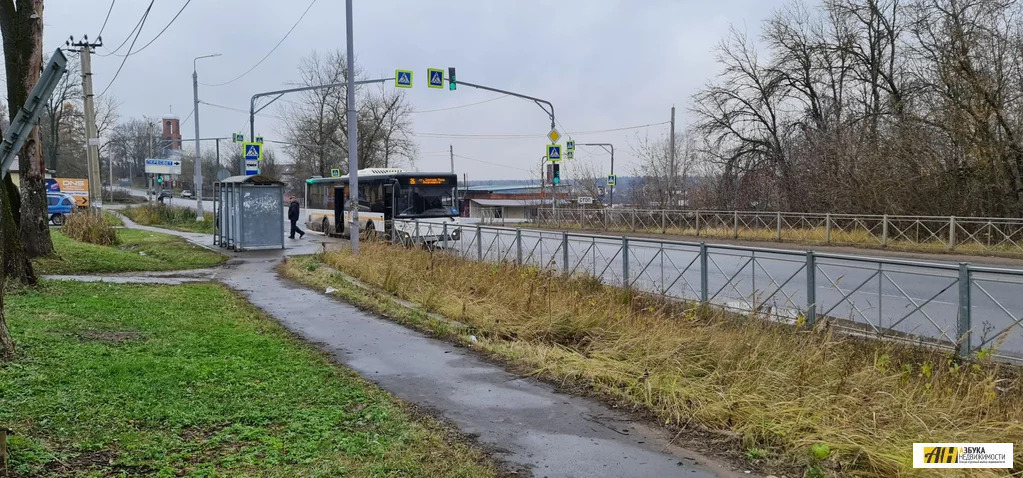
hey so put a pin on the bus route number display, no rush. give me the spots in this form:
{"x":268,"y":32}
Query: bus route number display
{"x":428,"y":181}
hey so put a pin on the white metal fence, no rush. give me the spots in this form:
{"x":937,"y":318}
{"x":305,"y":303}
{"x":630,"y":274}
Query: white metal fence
{"x":967,"y":234}
{"x":960,"y":307}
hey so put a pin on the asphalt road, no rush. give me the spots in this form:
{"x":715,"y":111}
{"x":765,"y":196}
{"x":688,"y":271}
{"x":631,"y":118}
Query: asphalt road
{"x":878,"y":295}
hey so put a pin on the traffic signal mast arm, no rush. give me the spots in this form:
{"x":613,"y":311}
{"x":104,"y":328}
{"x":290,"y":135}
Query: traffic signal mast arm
{"x":549,"y":109}
{"x":280,"y":93}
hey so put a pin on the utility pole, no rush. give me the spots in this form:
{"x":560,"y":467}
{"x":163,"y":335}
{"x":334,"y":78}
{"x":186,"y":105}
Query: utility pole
{"x":671,"y":182}
{"x":451,"y":149}
{"x":197,"y":162}
{"x":92,"y":148}
{"x":353,"y":135}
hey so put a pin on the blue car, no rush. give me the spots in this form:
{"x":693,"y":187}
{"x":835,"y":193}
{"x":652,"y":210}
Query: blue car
{"x":59,"y":206}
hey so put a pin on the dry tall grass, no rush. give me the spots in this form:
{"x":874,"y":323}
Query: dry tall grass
{"x":87,"y":227}
{"x":811,"y":399}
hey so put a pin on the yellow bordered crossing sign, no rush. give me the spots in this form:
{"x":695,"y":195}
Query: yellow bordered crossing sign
{"x":403,"y":78}
{"x":612,"y":180}
{"x":335,"y":173}
{"x":554,"y":153}
{"x":435,"y":77}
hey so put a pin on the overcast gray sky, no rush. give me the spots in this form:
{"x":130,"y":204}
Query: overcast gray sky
{"x":604,"y":64}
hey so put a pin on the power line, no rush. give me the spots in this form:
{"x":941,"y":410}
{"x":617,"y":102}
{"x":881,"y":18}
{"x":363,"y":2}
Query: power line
{"x":239,"y":110}
{"x":107,"y":18}
{"x":132,"y":32}
{"x":461,"y":106}
{"x":158,"y":34}
{"x":522,"y":136}
{"x":141,"y":24}
{"x":260,"y":62}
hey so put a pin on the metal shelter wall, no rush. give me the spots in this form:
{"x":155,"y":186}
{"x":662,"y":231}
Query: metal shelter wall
{"x":249,"y":213}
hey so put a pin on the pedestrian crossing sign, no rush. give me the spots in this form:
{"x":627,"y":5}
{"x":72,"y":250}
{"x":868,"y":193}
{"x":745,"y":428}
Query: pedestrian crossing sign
{"x":436,"y":77}
{"x":239,"y":138}
{"x":612,"y":180}
{"x":335,"y":173}
{"x":403,"y":78}
{"x":554,"y":153}
{"x":252,"y":151}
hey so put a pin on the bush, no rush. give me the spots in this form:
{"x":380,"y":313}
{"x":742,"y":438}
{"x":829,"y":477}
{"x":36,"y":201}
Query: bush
{"x":87,"y":227}
{"x":161,"y":215}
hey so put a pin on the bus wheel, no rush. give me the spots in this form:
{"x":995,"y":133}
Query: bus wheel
{"x":325,"y":227}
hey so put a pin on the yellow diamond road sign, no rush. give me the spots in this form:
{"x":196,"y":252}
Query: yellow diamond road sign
{"x":554,"y":136}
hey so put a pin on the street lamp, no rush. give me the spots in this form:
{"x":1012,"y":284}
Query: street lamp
{"x":197,"y":162}
{"x":611,"y":189}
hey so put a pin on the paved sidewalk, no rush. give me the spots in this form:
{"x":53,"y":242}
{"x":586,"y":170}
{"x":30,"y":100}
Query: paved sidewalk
{"x":525,"y":423}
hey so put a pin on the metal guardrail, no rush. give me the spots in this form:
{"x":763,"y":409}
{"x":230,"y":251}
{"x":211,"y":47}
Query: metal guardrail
{"x":958,"y":307}
{"x":972,"y":234}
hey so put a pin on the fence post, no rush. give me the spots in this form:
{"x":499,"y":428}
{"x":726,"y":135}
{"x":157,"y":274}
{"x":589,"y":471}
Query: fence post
{"x":564,"y":252}
{"x":827,"y":228}
{"x":704,"y":273}
{"x":884,"y":231}
{"x":952,"y":233}
{"x":625,"y":262}
{"x":735,"y":225}
{"x":811,"y":288}
{"x":779,"y":227}
{"x":479,"y":243}
{"x":663,"y":227}
{"x":964,"y":323}
{"x":417,"y":230}
{"x":697,"y":223}
{"x":444,"y":232}
{"x":632,"y":226}
{"x":518,"y":246}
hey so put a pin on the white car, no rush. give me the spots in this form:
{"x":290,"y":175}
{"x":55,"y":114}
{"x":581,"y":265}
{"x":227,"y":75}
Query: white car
{"x":186,"y":193}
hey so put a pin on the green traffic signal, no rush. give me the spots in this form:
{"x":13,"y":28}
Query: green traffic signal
{"x":159,"y":179}
{"x":451,"y":78}
{"x":557,"y":174}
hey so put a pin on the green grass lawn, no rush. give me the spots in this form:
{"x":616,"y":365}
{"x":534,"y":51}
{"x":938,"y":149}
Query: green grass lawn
{"x":112,"y":219}
{"x":138,"y":251}
{"x":113,"y":380}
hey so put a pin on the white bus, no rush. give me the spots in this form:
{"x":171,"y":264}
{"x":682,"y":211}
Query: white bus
{"x":386,"y":194}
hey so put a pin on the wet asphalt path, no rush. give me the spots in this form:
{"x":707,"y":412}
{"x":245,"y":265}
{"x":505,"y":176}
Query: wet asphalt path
{"x":524,"y":423}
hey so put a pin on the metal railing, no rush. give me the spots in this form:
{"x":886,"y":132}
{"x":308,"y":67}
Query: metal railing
{"x":967,"y":234}
{"x":958,"y":307}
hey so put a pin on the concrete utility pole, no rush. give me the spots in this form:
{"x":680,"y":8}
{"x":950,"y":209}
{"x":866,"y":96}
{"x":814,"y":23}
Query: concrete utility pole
{"x":92,"y":148}
{"x":197,"y":162}
{"x":353,"y":135}
{"x":671,"y":182}
{"x":451,"y":149}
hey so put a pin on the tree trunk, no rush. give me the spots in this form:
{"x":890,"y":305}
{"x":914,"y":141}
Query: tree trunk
{"x":22,"y":30}
{"x":16,"y":265}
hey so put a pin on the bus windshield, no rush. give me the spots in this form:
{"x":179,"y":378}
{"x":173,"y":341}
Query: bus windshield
{"x":426,"y":201}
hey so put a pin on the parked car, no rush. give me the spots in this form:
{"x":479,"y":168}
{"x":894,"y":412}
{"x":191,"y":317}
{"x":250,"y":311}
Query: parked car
{"x":165,"y":195}
{"x":186,"y":193}
{"x":58,"y":206}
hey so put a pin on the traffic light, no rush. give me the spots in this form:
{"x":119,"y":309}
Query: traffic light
{"x":159,"y":179}
{"x":557,"y":174}
{"x":451,"y":78}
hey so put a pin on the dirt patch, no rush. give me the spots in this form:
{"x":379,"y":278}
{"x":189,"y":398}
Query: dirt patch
{"x":94,"y":463}
{"x":109,"y":336}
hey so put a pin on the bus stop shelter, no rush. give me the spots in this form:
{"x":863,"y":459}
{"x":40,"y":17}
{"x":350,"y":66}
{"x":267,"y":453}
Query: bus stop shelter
{"x":248,"y":213}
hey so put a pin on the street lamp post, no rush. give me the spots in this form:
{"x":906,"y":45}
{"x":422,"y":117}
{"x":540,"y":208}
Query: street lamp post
{"x":197,"y":162}
{"x":353,"y":135}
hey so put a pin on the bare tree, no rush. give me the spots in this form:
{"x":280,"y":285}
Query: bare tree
{"x":664,"y":179}
{"x":317,"y":125}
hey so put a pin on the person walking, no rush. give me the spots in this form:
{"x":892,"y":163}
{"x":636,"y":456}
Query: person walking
{"x":293,"y":217}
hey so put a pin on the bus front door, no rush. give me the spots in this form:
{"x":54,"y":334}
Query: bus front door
{"x":339,"y":210}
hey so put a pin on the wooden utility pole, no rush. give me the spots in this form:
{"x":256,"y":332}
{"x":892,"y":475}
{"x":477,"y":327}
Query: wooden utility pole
{"x":91,"y":137}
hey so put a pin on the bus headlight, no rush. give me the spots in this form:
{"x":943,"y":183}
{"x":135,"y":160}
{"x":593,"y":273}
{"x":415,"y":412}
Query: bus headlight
{"x":456,"y":234}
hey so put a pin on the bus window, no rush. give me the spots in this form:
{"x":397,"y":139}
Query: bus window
{"x":426,"y":201}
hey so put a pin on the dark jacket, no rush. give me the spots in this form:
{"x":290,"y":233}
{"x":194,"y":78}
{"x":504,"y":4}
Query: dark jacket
{"x":293,"y":211}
